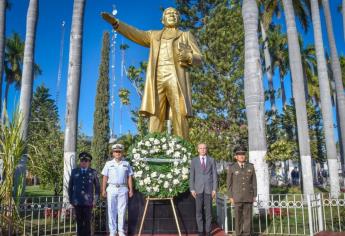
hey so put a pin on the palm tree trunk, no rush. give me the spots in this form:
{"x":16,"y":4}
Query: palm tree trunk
{"x":339,"y":88}
{"x":268,"y":68}
{"x":343,"y":12}
{"x":282,"y":89}
{"x":254,"y":98}
{"x":27,"y":82}
{"x":2,"y":43}
{"x":326,"y":103}
{"x":73,"y":91}
{"x":299,"y":97}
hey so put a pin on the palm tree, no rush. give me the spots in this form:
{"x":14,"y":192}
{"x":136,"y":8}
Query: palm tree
{"x":277,"y":43}
{"x":343,"y":12}
{"x":14,"y":53}
{"x":254,"y":97}
{"x":27,"y":80}
{"x":73,"y":91}
{"x":2,"y":43}
{"x":336,"y":69}
{"x":268,"y":8}
{"x":299,"y":97}
{"x":326,"y":103}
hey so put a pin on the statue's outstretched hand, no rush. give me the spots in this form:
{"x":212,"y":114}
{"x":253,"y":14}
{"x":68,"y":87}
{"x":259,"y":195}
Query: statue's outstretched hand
{"x":109,"y":18}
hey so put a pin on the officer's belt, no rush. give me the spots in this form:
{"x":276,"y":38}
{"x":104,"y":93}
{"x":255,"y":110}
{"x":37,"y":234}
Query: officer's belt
{"x":119,"y":185}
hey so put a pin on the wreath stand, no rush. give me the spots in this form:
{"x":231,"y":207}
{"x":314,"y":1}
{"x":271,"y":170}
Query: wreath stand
{"x":148,"y":199}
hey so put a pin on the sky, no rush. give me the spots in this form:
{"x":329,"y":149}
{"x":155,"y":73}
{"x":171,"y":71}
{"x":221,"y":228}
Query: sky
{"x":143,"y":14}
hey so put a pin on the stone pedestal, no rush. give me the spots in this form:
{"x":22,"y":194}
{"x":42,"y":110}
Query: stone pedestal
{"x":160,"y":217}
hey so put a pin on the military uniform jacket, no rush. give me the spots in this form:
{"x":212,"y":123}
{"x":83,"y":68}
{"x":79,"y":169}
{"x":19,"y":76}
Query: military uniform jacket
{"x":83,"y":188}
{"x":241,"y":182}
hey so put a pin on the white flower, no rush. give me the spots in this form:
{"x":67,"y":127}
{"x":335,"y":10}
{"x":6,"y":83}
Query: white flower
{"x":152,"y":151}
{"x":177,"y":154}
{"x":170,"y":151}
{"x":178,"y":146}
{"x":184,"y":158}
{"x":177,"y":171}
{"x":170,"y":189}
{"x":151,"y":139}
{"x":136,"y":156}
{"x":159,"y":181}
{"x":169,"y":176}
{"x":140,"y":143}
{"x":184,"y":177}
{"x":141,"y":182}
{"x":175,"y":181}
{"x":163,"y":140}
{"x":175,"y":163}
{"x":156,"y":188}
{"x":148,"y":189}
{"x":185,"y":170}
{"x":134,"y":150}
{"x":156,"y":142}
{"x":164,"y":147}
{"x":147,"y":180}
{"x":148,"y":144}
{"x":166,"y":184}
{"x":183,"y":149}
{"x":154,"y":174}
{"x":161,"y":176}
{"x":147,"y":167}
{"x":138,"y":174}
{"x":144,"y":152}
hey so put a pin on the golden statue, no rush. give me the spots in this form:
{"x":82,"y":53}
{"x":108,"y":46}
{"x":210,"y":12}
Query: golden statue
{"x":167,"y":92}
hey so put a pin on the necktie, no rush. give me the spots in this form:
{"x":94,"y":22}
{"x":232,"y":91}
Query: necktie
{"x":203,"y":163}
{"x":242,"y":165}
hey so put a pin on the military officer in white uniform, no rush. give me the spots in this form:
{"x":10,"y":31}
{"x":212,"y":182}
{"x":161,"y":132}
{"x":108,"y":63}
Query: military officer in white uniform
{"x":117,"y":174}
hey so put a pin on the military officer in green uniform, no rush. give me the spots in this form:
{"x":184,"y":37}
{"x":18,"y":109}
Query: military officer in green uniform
{"x":241,"y":183}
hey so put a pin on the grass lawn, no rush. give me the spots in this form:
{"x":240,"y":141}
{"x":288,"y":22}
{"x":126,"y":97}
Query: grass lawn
{"x":37,"y":191}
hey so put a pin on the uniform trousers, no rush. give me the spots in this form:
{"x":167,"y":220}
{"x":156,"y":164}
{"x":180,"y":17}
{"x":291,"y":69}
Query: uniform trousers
{"x":117,"y":198}
{"x":169,"y":95}
{"x":243,"y":218}
{"x":203,"y":201}
{"x":83,"y":215}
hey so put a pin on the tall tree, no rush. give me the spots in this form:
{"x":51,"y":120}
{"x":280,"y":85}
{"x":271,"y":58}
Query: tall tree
{"x":45,"y":141}
{"x":101,"y":115}
{"x":277,"y":44}
{"x":299,"y":97}
{"x":326,"y":103}
{"x":3,"y":4}
{"x":268,"y":67}
{"x":73,"y":92}
{"x":343,"y":12}
{"x":336,"y":69}
{"x":254,"y":97}
{"x":14,"y":53}
{"x":27,"y":77}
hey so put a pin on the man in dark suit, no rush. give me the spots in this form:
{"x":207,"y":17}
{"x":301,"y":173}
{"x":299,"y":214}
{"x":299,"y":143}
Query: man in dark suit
{"x":83,"y":192}
{"x":241,"y":183}
{"x":203,"y":185}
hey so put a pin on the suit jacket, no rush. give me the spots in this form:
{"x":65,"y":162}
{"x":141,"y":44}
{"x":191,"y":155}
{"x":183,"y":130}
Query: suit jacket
{"x":152,"y":39}
{"x":241,"y":182}
{"x":83,"y":189}
{"x":201,"y":180}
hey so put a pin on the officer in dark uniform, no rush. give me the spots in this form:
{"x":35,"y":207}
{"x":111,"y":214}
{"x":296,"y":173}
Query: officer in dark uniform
{"x":241,"y":183}
{"x":83,"y":192}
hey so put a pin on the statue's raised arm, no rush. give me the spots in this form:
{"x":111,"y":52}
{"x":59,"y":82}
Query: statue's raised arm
{"x":167,"y":86}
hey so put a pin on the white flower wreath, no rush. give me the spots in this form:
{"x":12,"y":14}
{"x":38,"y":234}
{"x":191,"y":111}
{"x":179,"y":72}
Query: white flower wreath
{"x":161,"y":165}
